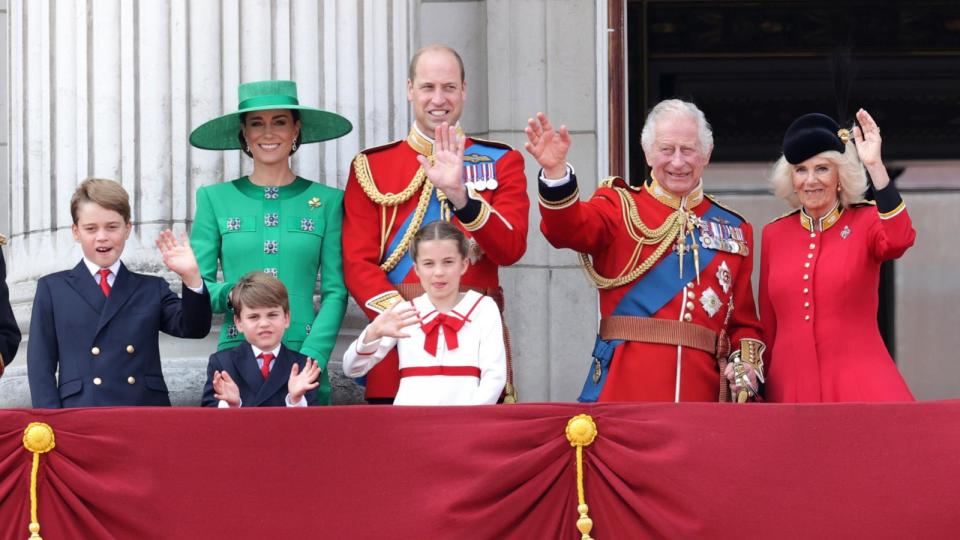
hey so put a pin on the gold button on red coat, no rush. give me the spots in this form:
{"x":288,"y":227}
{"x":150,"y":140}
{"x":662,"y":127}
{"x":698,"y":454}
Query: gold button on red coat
{"x":687,"y":317}
{"x":806,"y":318}
{"x":813,"y":246}
{"x":690,"y":305}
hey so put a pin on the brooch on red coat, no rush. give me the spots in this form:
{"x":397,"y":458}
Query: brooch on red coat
{"x":724,"y":276}
{"x":845,"y":232}
{"x":710,"y":301}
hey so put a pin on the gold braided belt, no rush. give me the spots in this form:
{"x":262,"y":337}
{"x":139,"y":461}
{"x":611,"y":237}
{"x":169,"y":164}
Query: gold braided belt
{"x":364,"y":177}
{"x":661,"y":331}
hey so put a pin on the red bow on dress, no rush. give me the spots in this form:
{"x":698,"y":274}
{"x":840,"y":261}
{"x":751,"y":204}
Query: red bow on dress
{"x":451,"y":325}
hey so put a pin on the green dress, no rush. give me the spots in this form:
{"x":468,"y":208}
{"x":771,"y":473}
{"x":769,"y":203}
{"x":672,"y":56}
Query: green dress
{"x":291,"y":232}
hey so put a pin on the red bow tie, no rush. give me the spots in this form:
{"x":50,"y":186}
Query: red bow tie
{"x":451,"y":325}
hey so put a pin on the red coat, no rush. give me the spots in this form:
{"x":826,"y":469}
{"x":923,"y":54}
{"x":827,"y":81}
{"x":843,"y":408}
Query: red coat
{"x":641,"y":371}
{"x":820,"y":321}
{"x":496,"y":219}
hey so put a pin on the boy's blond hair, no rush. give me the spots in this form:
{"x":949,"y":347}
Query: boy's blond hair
{"x":108,"y":194}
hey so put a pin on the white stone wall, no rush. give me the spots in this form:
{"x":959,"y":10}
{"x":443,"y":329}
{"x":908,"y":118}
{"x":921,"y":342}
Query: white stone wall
{"x":112,"y":88}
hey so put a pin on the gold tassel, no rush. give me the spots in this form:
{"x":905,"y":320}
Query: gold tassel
{"x":581,"y":430}
{"x":37,"y":438}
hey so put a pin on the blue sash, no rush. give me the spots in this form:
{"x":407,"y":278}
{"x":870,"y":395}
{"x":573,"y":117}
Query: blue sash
{"x":400,"y":271}
{"x":648,"y":295}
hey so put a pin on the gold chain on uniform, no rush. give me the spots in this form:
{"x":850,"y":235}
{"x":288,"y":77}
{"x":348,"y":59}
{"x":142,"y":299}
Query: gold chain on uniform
{"x":671,"y":228}
{"x":364,"y":178}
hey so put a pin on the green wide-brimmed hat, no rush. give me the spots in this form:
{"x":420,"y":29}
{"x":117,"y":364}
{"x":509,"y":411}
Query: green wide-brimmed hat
{"x":315,"y":125}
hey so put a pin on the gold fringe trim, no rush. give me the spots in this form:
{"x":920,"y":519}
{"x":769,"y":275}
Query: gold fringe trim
{"x":37,"y":438}
{"x":581,"y":431}
{"x":674,"y":226}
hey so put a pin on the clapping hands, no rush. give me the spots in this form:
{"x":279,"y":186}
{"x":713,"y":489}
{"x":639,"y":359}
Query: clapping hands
{"x":301,"y":382}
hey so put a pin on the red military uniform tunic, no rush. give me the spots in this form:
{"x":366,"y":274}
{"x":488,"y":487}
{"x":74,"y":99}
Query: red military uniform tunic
{"x":647,"y":371}
{"x":818,"y":303}
{"x":495,"y":219}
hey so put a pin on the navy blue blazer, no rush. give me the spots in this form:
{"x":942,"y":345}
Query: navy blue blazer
{"x":9,"y":331}
{"x":255,"y":391}
{"x":106,"y":348}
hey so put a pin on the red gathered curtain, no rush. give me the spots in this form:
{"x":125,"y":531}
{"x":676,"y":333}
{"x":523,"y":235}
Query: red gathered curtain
{"x":654,"y":471}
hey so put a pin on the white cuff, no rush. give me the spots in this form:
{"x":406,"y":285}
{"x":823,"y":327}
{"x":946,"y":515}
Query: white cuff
{"x":554,"y":182}
{"x":301,"y":403}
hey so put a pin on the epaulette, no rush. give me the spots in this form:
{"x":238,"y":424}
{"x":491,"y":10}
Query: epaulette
{"x":788,"y":214}
{"x":495,"y":144}
{"x":390,"y":144}
{"x":617,"y":182}
{"x":3,"y":240}
{"x":725,"y":207}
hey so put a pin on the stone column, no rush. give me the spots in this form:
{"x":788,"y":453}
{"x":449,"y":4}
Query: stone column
{"x":112,"y":89}
{"x":522,"y":57}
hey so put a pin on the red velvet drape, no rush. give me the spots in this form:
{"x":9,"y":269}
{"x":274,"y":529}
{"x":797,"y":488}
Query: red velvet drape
{"x":654,"y":471}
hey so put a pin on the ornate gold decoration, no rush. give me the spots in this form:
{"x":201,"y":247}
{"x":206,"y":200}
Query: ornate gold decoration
{"x":825,"y":222}
{"x":365,"y":178}
{"x":674,"y":227}
{"x":384,"y":301}
{"x":562,"y":203}
{"x":844,"y":135}
{"x":37,"y":438}
{"x":362,"y":168}
{"x":751,"y":352}
{"x":314,"y":203}
{"x":581,"y":431}
{"x":482,"y":217}
{"x":510,"y":394}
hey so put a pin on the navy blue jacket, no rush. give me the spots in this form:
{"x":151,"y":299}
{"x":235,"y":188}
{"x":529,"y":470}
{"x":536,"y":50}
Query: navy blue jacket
{"x":255,"y":391}
{"x":106,"y":348}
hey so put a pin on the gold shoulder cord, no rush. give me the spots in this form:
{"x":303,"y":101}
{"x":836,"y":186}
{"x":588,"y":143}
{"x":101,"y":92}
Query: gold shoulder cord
{"x":661,"y":236}
{"x":364,"y":177}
